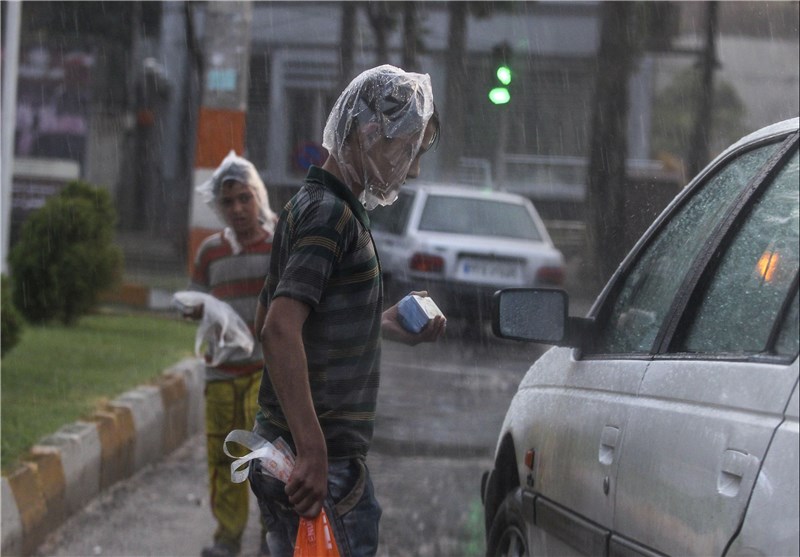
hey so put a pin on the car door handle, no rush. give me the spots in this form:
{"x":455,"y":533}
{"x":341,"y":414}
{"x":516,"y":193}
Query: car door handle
{"x":608,"y":444}
{"x":734,"y":466}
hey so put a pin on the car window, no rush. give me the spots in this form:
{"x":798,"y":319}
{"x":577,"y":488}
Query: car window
{"x":478,"y":217}
{"x":642,"y":301}
{"x":751,"y":284}
{"x":392,"y":218}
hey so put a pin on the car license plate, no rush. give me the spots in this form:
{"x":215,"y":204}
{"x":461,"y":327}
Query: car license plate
{"x":489,"y":270}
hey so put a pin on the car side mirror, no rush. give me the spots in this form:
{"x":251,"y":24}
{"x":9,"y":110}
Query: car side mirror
{"x":536,"y":314}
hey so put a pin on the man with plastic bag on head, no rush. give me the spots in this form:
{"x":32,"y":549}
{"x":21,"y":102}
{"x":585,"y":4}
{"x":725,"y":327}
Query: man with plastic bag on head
{"x":321,"y":314}
{"x":231,"y":266}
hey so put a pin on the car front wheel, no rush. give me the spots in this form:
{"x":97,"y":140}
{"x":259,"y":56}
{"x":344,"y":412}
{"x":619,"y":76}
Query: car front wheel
{"x":507,"y":535}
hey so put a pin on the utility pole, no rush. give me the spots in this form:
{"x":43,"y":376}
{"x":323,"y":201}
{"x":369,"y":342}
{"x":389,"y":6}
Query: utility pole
{"x":10,"y":67}
{"x":221,"y":122}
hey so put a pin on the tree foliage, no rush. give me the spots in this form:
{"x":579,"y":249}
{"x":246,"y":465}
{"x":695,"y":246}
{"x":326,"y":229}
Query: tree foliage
{"x":66,"y":255}
{"x":12,"y":324}
{"x":673,"y":117}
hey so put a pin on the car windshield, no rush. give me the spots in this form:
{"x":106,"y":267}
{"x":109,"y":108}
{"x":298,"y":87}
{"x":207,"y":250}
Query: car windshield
{"x":478,"y":217}
{"x":391,"y":218}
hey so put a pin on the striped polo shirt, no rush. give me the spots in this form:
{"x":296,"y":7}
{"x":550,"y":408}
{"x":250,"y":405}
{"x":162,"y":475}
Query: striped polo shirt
{"x":325,"y":257}
{"x":236,"y":279}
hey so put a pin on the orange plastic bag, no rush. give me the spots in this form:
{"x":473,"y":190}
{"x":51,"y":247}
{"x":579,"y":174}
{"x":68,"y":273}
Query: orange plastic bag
{"x":315,"y":538}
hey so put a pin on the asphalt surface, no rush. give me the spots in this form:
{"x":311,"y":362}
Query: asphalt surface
{"x":440,"y":409}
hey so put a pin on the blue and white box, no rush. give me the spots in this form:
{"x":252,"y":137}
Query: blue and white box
{"x":415,"y":312}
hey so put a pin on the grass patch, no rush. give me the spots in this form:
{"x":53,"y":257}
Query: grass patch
{"x":474,"y":542}
{"x":58,"y":374}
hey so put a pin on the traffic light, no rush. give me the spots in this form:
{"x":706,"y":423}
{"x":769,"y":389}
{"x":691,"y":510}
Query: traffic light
{"x":501,"y":67}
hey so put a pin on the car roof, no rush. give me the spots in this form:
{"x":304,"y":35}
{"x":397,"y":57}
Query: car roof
{"x":773,"y":130}
{"x":766,"y":132}
{"x":460,"y":190}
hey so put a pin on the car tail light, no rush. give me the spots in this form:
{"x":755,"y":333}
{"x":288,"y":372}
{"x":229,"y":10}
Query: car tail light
{"x":550,"y":275}
{"x":426,"y":263}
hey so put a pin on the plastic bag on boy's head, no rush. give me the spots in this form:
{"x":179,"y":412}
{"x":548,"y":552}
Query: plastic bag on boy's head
{"x":315,"y":537}
{"x":234,"y":167}
{"x":227,"y":336}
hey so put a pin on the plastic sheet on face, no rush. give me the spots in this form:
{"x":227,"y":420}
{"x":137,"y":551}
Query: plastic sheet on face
{"x":243,"y":171}
{"x":375,"y":129}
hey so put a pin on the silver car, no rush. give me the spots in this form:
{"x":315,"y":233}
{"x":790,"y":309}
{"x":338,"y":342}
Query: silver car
{"x":462,"y":244}
{"x":666,"y":421}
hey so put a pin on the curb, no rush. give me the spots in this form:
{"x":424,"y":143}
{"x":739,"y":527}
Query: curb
{"x":139,"y":296}
{"x":66,"y":470}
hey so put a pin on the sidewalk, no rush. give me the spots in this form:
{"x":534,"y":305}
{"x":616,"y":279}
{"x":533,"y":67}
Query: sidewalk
{"x":68,"y":469}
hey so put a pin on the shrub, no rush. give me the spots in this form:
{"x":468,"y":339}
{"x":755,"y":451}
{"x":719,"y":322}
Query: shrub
{"x":66,"y":255}
{"x":11,"y":325}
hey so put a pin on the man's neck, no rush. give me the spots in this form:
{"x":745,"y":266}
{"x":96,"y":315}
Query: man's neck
{"x":332,"y":166}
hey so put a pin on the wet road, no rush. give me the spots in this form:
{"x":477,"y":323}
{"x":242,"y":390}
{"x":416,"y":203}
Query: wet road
{"x":440,"y":409}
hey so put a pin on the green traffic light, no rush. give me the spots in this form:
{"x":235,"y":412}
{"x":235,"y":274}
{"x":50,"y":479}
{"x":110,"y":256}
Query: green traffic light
{"x":499,"y":95}
{"x":504,"y":74}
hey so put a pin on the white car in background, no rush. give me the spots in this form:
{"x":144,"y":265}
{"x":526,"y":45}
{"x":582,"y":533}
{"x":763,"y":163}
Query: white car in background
{"x":666,"y":421}
{"x":461,"y":244}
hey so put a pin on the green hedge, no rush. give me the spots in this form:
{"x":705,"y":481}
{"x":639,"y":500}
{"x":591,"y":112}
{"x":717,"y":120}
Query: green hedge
{"x":66,"y":255}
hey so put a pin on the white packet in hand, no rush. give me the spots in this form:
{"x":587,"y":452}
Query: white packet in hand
{"x":276,"y":460}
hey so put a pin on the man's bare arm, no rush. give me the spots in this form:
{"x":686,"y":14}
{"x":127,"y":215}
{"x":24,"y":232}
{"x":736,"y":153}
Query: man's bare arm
{"x":284,"y":354}
{"x":261,"y":317}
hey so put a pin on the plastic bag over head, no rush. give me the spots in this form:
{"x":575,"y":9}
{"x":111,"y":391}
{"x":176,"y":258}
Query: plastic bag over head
{"x":243,"y":171}
{"x":376,"y":127}
{"x":226,"y":335}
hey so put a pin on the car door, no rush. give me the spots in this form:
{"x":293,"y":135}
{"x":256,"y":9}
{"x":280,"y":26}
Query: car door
{"x":722,"y":373}
{"x":578,"y":411}
{"x":586,"y":404}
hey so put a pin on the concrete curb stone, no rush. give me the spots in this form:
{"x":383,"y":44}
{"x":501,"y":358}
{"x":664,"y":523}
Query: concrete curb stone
{"x":174,"y":395}
{"x":67,"y":469}
{"x":79,"y":446}
{"x":116,"y":451}
{"x":147,"y":409}
{"x":194,"y":378}
{"x":50,"y":475}
{"x":30,"y":505}
{"x":11,"y":522}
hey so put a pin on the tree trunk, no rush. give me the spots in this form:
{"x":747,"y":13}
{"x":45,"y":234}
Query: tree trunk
{"x":410,"y":36}
{"x":381,"y":21}
{"x":193,"y":94}
{"x":605,"y":195}
{"x":699,"y":147}
{"x":346,"y":44}
{"x":453,"y":120}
